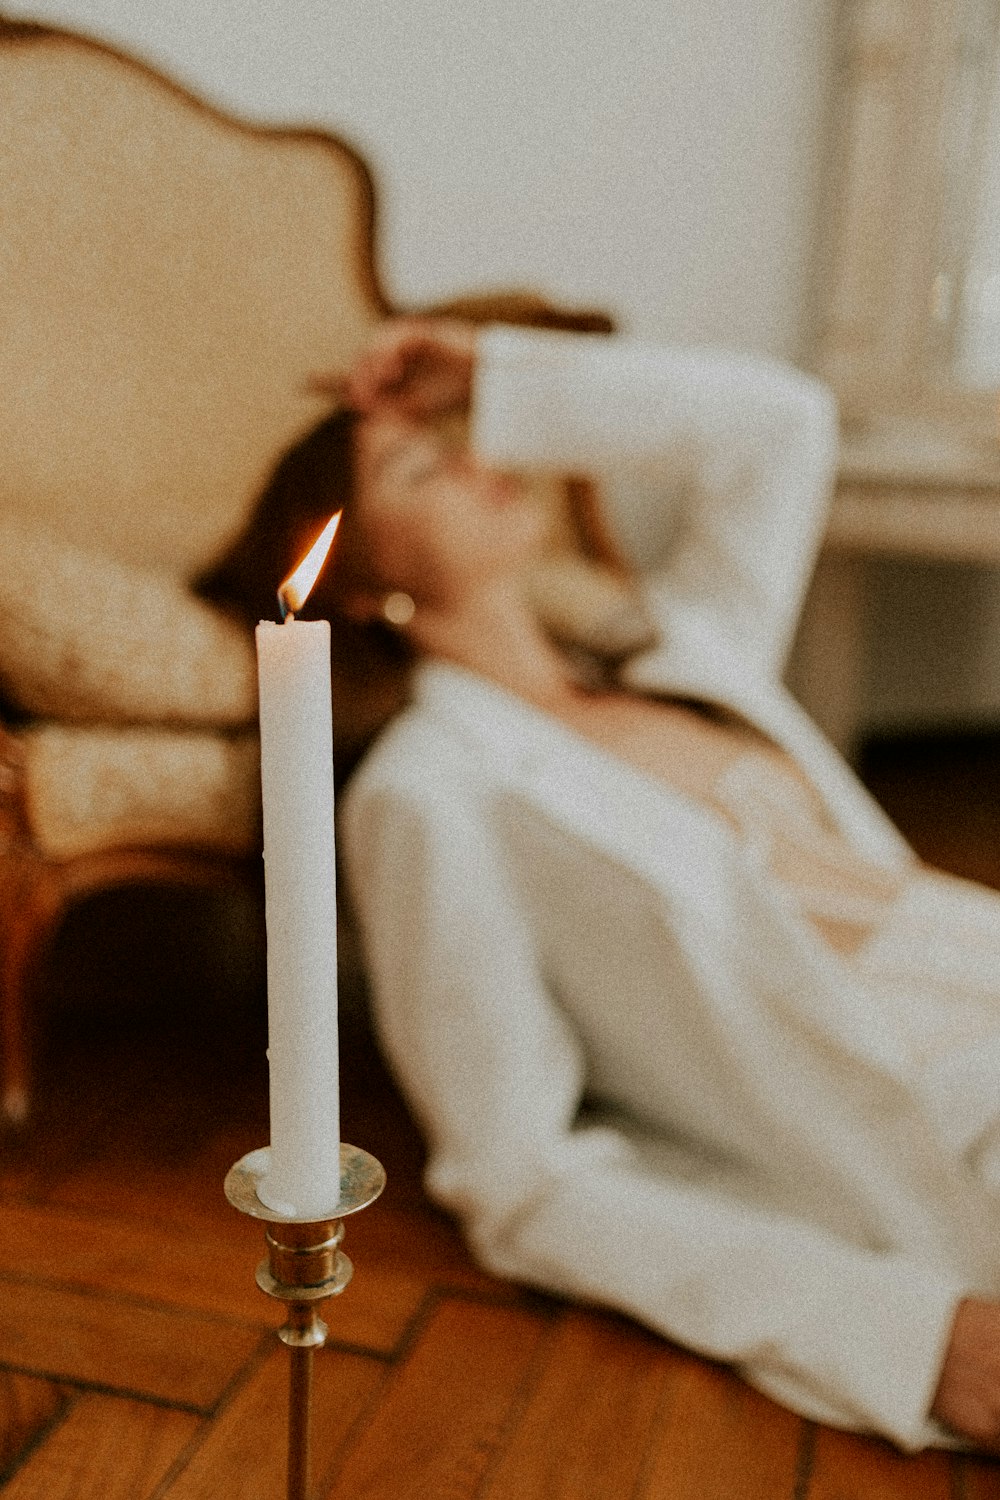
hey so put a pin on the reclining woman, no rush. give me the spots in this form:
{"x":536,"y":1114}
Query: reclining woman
{"x":689,"y":1028}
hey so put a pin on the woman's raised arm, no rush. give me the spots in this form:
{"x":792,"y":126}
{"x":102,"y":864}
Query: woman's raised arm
{"x":758,"y":437}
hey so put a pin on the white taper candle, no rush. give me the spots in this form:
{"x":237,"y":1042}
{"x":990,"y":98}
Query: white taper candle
{"x":296,"y":744}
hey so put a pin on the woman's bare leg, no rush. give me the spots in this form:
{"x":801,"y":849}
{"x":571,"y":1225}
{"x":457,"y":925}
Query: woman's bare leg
{"x":968,"y":1395}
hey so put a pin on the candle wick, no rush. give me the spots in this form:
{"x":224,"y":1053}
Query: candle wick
{"x":286,"y":613}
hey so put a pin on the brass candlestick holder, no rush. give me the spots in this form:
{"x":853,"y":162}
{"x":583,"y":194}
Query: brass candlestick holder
{"x":304,"y":1266}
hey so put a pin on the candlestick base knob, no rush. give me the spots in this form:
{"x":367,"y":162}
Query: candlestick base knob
{"x":303,"y":1262}
{"x":305,"y":1329}
{"x":286,"y":1291}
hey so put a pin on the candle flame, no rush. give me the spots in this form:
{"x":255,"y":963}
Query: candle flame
{"x":297,"y":587}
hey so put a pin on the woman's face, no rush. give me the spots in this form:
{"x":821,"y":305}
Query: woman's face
{"x":439,"y":524}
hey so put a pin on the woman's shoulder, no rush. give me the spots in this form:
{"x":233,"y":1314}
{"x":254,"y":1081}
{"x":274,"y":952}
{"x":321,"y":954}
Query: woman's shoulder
{"x":415,"y":755}
{"x":419,"y":785}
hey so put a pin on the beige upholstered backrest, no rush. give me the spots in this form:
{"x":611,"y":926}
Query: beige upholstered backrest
{"x":168,"y":280}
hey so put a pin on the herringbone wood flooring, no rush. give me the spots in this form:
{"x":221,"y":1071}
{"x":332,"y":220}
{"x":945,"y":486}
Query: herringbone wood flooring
{"x":138,"y":1360}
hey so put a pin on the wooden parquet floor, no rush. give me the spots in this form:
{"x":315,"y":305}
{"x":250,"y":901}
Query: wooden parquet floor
{"x":138,"y":1360}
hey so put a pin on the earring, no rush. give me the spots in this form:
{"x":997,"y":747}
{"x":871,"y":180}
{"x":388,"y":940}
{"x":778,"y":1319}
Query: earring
{"x":398,"y":609}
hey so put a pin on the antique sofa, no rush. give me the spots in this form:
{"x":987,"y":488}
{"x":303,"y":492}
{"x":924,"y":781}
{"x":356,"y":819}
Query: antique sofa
{"x":170,"y":279}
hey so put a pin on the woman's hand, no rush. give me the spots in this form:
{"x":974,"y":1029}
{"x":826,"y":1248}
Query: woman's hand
{"x":968,"y":1393}
{"x":415,"y":367}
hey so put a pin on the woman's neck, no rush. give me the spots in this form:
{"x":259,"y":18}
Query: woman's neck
{"x":496,"y":634}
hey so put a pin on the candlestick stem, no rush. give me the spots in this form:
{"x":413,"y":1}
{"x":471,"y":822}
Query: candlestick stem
{"x":304,"y":1266}
{"x":299,"y":1423}
{"x":304,"y":1332}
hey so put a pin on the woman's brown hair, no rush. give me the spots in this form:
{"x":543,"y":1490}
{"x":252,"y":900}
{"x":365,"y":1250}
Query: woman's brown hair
{"x":370,"y":665}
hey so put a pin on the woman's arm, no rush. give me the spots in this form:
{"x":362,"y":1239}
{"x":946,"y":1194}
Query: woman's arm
{"x":495,"y":1074}
{"x":758,"y":436}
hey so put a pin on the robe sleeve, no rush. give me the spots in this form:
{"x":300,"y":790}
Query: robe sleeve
{"x":495,"y":1075}
{"x":758,"y":437}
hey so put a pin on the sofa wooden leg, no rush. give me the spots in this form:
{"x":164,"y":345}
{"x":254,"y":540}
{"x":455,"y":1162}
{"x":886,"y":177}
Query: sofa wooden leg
{"x":14,"y":1104}
{"x":14,"y":1048}
{"x":15,"y":1069}
{"x":29,"y":914}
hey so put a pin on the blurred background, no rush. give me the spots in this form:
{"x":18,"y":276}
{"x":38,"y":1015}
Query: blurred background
{"x":660,"y":160}
{"x":675,"y":165}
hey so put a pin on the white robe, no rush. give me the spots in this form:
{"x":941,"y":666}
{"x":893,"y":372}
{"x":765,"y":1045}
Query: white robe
{"x":644,"y":1079}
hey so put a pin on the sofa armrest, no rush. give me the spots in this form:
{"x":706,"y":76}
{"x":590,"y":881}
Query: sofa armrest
{"x":84,"y":637}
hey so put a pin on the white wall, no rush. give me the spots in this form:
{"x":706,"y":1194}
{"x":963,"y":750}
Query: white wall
{"x":659,"y":158}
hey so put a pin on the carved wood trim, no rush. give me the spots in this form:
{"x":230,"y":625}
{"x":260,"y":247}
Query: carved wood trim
{"x":33,"y":34}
